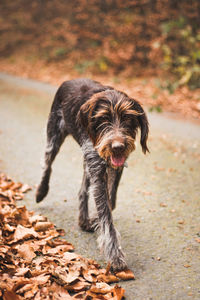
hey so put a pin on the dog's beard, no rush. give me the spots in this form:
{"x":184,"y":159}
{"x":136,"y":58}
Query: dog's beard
{"x":104,"y":149}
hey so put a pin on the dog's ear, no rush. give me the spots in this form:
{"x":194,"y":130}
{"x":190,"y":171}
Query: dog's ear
{"x":144,"y":126}
{"x":86,"y":113}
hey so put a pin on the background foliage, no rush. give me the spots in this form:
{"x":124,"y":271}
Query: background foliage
{"x":110,"y":36}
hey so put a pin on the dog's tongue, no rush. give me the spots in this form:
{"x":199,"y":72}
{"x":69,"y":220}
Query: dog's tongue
{"x":117,"y":161}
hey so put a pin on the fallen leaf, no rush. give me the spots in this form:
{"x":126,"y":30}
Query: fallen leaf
{"x":43,"y":226}
{"x":26,"y":251}
{"x":65,"y":277}
{"x":108,"y":268}
{"x":125,"y":275}
{"x":181,"y":222}
{"x":35,"y":218}
{"x":163,"y":204}
{"x":90,"y":274}
{"x":118,"y":292}
{"x":100,"y":288}
{"x":110,"y":278}
{"x":10,"y":295}
{"x":70,"y":256}
{"x":78,"y":286}
{"x":22,"y":233}
{"x":59,"y":293}
{"x":25,"y":188}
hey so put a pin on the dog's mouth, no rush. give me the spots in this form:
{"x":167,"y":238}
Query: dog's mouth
{"x":117,"y":161}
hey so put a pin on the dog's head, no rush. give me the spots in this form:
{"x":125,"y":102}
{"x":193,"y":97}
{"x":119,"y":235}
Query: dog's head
{"x":112,"y":119}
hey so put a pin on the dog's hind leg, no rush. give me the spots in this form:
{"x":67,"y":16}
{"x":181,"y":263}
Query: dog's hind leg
{"x":56,"y":134}
{"x":84,"y":222}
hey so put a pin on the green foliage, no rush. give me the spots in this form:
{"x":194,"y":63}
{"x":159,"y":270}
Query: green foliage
{"x":60,"y":52}
{"x":181,"y":48}
{"x":83,"y":66}
{"x":156,"y":108}
{"x":100,"y":65}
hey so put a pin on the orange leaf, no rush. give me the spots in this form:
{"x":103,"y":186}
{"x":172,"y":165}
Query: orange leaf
{"x":90,"y":274}
{"x":78,"y":286}
{"x":100,"y":288}
{"x":43,"y":226}
{"x":118,"y":292}
{"x":10,"y":295}
{"x":107,"y":278}
{"x":125,"y":275}
{"x":22,"y":233}
{"x":26,"y":251}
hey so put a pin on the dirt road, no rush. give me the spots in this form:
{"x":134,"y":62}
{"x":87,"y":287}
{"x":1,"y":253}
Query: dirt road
{"x":158,"y":209}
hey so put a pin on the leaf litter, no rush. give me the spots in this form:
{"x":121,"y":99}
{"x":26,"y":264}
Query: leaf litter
{"x":36,"y":263}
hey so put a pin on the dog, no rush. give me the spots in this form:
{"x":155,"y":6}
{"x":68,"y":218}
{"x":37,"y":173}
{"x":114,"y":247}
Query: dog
{"x":104,"y":122}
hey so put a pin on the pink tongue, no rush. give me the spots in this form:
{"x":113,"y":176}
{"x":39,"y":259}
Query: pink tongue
{"x":117,"y":161}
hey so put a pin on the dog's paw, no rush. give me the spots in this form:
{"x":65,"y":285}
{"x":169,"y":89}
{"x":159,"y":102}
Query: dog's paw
{"x":41,"y":193}
{"x":86,"y":225}
{"x":118,"y":263}
{"x":94,"y":223}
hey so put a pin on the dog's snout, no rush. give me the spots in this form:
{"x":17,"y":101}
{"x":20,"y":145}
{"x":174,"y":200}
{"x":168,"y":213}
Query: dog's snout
{"x":117,"y":146}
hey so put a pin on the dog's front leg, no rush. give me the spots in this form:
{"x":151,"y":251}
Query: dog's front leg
{"x":108,"y":239}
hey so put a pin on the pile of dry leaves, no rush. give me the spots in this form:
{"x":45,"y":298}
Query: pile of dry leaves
{"x":36,"y":264}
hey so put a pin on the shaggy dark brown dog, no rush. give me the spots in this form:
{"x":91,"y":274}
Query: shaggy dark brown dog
{"x":104,"y":122}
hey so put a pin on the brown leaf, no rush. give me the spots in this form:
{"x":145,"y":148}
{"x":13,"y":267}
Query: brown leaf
{"x":110,"y":278}
{"x":26,"y":252}
{"x":22,"y":233}
{"x":90,"y":274}
{"x":9,"y":228}
{"x":65,"y":277}
{"x":108,"y":268}
{"x":78,"y":286}
{"x":36,"y":218}
{"x":58,"y":242}
{"x":125,"y":275}
{"x":118,"y":292}
{"x":10,"y":295}
{"x":58,"y":249}
{"x":163,"y":204}
{"x":43,"y":226}
{"x":27,"y":288}
{"x":70,"y":256}
{"x":94,"y":296}
{"x":21,"y":271}
{"x":20,"y":283}
{"x":6,"y":185}
{"x":80,"y":295}
{"x":59,"y":293}
{"x":25,"y":188}
{"x":100,"y":288}
{"x":16,"y":186}
{"x":41,"y":279}
{"x":21,"y":215}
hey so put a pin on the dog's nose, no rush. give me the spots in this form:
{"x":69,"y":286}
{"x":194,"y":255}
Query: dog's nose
{"x":117,"y":146}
